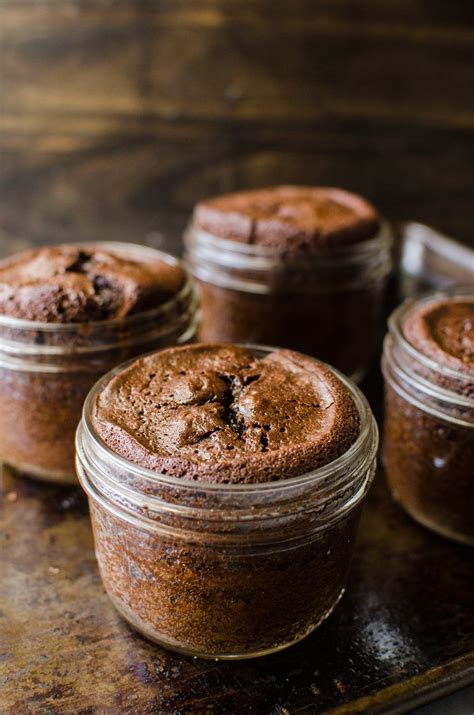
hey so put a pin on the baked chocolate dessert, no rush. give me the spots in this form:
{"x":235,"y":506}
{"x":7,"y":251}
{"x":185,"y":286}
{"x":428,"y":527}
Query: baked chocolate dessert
{"x":429,"y":436}
{"x":443,"y":330}
{"x":68,"y":314}
{"x":74,"y":284}
{"x":314,"y":267}
{"x":217,"y":414}
{"x":289,"y":219}
{"x":209,"y":557}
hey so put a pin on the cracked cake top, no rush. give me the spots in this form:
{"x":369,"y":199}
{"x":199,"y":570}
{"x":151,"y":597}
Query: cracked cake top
{"x":217,"y":413}
{"x":74,"y":284}
{"x":289,"y":218}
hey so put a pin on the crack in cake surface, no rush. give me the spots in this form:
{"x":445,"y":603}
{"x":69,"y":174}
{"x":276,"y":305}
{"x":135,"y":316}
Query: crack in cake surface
{"x":217,"y":413}
{"x":67,"y":283}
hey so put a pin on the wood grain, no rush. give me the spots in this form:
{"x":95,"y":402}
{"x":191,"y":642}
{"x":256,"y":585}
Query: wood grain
{"x":117,"y":115}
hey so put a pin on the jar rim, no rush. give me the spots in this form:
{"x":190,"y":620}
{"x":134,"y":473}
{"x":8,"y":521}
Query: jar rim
{"x":253,"y":250}
{"x":11,"y":322}
{"x":368,"y":435}
{"x":253,"y":268}
{"x":396,"y":324}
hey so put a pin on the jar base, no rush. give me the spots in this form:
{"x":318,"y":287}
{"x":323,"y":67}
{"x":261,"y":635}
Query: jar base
{"x":43,"y":475}
{"x":427,"y":523}
{"x":175,"y":647}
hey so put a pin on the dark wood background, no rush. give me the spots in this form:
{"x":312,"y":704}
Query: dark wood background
{"x":117,"y":115}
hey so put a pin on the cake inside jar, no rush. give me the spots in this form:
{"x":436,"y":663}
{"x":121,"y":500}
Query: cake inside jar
{"x":443,"y":330}
{"x":214,"y":573}
{"x":67,"y":315}
{"x":429,"y":437}
{"x":290,"y":219}
{"x":73,"y":284}
{"x":296,"y":266}
{"x":217,"y":414}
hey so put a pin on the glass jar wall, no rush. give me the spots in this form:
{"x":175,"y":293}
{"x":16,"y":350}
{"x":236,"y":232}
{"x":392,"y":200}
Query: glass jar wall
{"x":47,"y":369}
{"x":224,"y":570}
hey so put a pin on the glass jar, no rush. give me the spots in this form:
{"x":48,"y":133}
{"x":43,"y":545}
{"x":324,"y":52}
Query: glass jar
{"x":327,"y":304}
{"x":47,"y":369}
{"x":224,"y":570}
{"x":428,"y":446}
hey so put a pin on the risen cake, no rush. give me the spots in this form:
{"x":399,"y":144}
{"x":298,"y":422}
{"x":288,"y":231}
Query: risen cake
{"x":235,"y":556}
{"x":68,"y":314}
{"x":289,"y":217}
{"x":296,"y":266}
{"x":216,"y":413}
{"x":73,"y":284}
{"x":429,"y":416}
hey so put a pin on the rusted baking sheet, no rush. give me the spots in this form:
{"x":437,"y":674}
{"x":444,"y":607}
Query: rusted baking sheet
{"x":403,"y":633}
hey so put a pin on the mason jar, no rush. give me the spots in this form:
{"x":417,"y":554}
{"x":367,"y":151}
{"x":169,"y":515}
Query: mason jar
{"x":224,"y":570}
{"x":327,"y":304}
{"x":47,"y":369}
{"x":428,"y":446}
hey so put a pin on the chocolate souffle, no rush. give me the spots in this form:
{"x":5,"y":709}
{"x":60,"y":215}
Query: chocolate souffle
{"x":303,"y":267}
{"x":289,"y":219}
{"x":443,"y":330}
{"x":216,"y":414}
{"x":429,"y":436}
{"x":70,"y":284}
{"x":68,"y":314}
{"x":211,"y":567}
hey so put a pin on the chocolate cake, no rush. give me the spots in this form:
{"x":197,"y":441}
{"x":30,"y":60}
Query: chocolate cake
{"x":217,"y":414}
{"x":73,"y":284}
{"x":235,"y":574}
{"x":320,"y":284}
{"x":429,"y":457}
{"x":289,"y":219}
{"x":443,"y":330}
{"x":65,"y":315}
